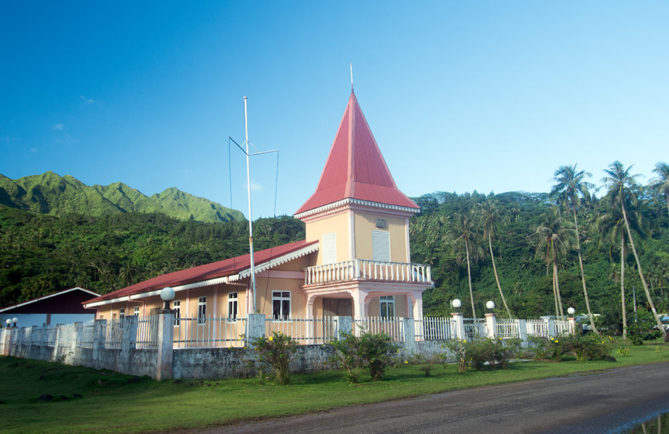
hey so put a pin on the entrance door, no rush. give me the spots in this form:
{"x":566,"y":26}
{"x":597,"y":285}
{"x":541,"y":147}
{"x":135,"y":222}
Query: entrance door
{"x":337,"y":307}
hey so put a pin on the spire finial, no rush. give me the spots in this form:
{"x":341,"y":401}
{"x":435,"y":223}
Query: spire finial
{"x":351,"y":67}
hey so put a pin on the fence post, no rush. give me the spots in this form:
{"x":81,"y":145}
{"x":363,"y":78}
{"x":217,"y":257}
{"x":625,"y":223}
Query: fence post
{"x":165,"y":344}
{"x":572,"y":325}
{"x":255,"y":326}
{"x":522,"y":332}
{"x":128,"y":339}
{"x":491,"y":324}
{"x":344,"y":325}
{"x":409,"y":335}
{"x":99,"y":328}
{"x":458,"y":325}
{"x":5,"y":340}
{"x":78,"y":331}
{"x":550,"y":326}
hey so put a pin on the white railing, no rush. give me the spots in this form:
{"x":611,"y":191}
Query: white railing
{"x":114,"y":334}
{"x":392,"y":326}
{"x":147,"y":332}
{"x":304,"y":330}
{"x":217,"y":332}
{"x":433,"y":329}
{"x":561,"y":327}
{"x":363,"y":269}
{"x":475,"y":328}
{"x":537,"y":327}
{"x":507,"y":328}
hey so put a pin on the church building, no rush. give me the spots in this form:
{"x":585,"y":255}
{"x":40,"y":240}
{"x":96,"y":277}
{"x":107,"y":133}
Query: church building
{"x":355,"y":259}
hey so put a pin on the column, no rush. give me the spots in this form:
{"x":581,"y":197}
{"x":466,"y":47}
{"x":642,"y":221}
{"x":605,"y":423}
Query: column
{"x":409,"y":335}
{"x":359,"y":303}
{"x":99,"y":328}
{"x":458,"y":325}
{"x":128,"y":340}
{"x":550,"y":326}
{"x":165,"y":345}
{"x":344,"y":325}
{"x":491,"y":324}
{"x":522,"y":332}
{"x":255,"y":326}
{"x":572,"y":325}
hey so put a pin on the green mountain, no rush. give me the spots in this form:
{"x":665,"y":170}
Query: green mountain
{"x":56,"y":195}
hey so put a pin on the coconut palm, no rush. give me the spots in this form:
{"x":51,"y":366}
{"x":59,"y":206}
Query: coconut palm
{"x":614,"y":225}
{"x":661,"y":183}
{"x":464,"y":232}
{"x":620,"y":184}
{"x":550,"y":242}
{"x":569,"y":190}
{"x":489,"y":217}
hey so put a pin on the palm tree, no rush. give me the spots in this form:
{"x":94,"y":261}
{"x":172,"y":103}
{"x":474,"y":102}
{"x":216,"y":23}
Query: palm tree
{"x":661,"y":183}
{"x":569,"y":189}
{"x":614,"y":225}
{"x":464,"y":231}
{"x":489,"y":217}
{"x":620,"y":183}
{"x":550,"y":240}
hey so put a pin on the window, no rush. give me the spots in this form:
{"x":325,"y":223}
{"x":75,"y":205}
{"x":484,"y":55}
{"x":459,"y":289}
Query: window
{"x":381,"y":246}
{"x":121,"y":313}
{"x":232,"y":306}
{"x":136,"y":313}
{"x":387,"y":306}
{"x":176,"y":307}
{"x":202,"y":310}
{"x":329,"y":248}
{"x":280,"y":304}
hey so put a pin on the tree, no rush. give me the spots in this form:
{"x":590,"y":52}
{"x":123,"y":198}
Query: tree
{"x":464,"y":232}
{"x":620,"y":183}
{"x":489,"y":216}
{"x":550,"y":240}
{"x":569,"y":189}
{"x":661,"y":183}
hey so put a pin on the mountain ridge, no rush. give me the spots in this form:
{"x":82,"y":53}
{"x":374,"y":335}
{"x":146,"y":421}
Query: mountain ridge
{"x":52,"y":194}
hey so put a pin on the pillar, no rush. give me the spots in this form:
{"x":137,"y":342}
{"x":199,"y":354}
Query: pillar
{"x":409,"y":335}
{"x":255,"y":326}
{"x":522,"y":332}
{"x":99,"y":328}
{"x":572,"y":325}
{"x":344,"y":325}
{"x":128,"y":340}
{"x":458,"y":325}
{"x":491,"y":324}
{"x":165,"y":345}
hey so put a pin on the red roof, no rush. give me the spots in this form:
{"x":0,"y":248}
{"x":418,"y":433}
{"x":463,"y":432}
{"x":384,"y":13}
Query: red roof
{"x":355,"y":167}
{"x":226,"y":267}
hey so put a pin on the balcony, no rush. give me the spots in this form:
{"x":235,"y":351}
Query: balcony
{"x":363,"y":269}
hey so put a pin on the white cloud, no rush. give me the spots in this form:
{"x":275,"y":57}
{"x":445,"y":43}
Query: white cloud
{"x":86,"y":100}
{"x":58,"y":127}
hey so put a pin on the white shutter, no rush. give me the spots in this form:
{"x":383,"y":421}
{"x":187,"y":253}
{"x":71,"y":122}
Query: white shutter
{"x":381,"y":246}
{"x":329,"y":245}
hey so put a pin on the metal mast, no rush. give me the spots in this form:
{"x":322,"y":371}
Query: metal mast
{"x":248,"y":185}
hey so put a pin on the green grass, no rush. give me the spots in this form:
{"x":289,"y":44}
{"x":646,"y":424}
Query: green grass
{"x":116,"y":402}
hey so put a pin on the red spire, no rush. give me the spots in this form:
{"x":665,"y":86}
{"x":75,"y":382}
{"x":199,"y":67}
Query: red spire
{"x":355,"y":167}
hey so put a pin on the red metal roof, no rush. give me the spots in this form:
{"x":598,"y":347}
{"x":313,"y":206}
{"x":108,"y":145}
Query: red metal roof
{"x":226,"y":267}
{"x":355,"y":167}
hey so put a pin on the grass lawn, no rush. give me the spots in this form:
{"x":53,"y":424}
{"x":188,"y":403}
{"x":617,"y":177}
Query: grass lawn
{"x":114,"y":402}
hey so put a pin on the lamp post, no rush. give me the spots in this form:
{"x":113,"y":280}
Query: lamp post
{"x":167,"y":295}
{"x":571,"y":311}
{"x":16,"y":322}
{"x":9,"y":323}
{"x":456,"y":304}
{"x":490,"y":305}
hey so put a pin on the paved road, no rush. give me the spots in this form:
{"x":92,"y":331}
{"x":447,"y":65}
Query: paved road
{"x":587,"y":403}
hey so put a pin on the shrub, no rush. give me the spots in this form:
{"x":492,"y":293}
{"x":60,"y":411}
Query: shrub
{"x":427,"y":362}
{"x":374,"y":352}
{"x":276,"y":352}
{"x":585,"y":347}
{"x":593,"y":347}
{"x":482,"y":353}
{"x":552,"y":348}
{"x":347,"y":355}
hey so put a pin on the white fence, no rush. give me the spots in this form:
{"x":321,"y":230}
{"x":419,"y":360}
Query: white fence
{"x":475,"y":328}
{"x":305,"y":330}
{"x":507,"y":329}
{"x":537,"y":328}
{"x":392,"y":326}
{"x":433,"y":329}
{"x":561,"y":327}
{"x":363,"y":269}
{"x":216,"y":332}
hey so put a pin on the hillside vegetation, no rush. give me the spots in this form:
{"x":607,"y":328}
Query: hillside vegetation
{"x":56,"y":195}
{"x":532,"y":237}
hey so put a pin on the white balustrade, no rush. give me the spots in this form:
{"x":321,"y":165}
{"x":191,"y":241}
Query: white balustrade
{"x":363,"y":269}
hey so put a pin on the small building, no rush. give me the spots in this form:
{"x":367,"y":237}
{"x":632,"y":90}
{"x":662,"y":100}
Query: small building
{"x":355,"y":259}
{"x":62,"y":307}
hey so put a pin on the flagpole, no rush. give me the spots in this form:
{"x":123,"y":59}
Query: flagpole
{"x":248,"y":185}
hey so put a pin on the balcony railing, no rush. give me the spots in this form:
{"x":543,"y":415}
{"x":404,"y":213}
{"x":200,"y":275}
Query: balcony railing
{"x":364,"y":269}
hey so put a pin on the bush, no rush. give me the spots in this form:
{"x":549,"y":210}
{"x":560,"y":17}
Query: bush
{"x":427,"y":362}
{"x":276,"y":352}
{"x":372,"y":351}
{"x":585,"y":347}
{"x":482,"y":353}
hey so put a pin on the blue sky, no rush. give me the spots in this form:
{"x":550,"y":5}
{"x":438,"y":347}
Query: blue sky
{"x":461,"y":96}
